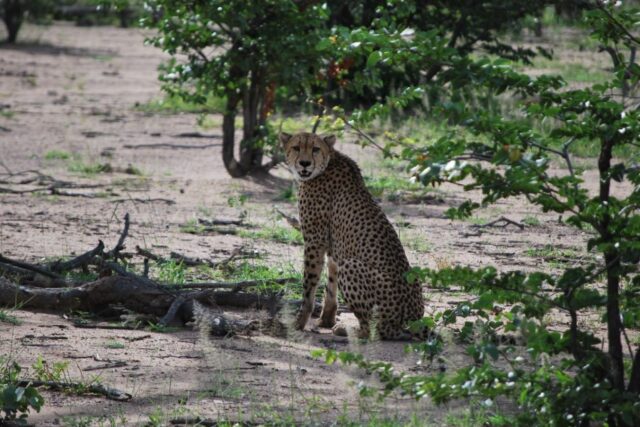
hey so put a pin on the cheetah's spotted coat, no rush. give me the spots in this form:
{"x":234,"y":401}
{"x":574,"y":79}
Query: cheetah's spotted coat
{"x":340,"y":219}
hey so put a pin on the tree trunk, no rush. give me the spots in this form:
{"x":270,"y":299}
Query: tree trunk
{"x":634,"y":382}
{"x":250,"y":154}
{"x":13,"y":17}
{"x":228,"y":137}
{"x":612,"y":262}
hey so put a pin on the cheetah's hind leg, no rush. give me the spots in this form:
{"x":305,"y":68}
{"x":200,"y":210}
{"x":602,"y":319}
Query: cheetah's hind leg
{"x":357,"y":283}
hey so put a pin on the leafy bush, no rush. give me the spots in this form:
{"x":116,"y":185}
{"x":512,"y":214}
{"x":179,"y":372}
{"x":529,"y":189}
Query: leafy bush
{"x":16,"y":400}
{"x":240,"y":51}
{"x":554,"y":377}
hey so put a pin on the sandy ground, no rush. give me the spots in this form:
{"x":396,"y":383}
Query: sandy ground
{"x":74,"y":89}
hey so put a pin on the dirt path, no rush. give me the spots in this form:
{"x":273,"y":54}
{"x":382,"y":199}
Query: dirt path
{"x":73,"y":90}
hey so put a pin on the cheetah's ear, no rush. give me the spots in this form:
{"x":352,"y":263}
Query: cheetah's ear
{"x":284,"y":138}
{"x":330,"y":140}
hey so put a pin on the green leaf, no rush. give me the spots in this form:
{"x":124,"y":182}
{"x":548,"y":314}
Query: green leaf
{"x":374,"y":58}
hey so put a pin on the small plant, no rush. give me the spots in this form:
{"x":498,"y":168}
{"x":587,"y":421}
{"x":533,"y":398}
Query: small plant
{"x":6,"y":317}
{"x":171,"y":271}
{"x":44,"y":372}
{"x":288,"y":194}
{"x":7,"y":114}
{"x":114,"y":345}
{"x":78,"y":166}
{"x":192,"y":226}
{"x":392,"y":188}
{"x":237,"y":201}
{"x":173,"y":104}
{"x":531,"y":221}
{"x":276,"y":233}
{"x":57,"y":155}
{"x":16,"y":400}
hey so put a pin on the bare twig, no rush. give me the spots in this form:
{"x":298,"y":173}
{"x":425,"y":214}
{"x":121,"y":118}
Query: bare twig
{"x":211,"y":222}
{"x":496,"y":223}
{"x":115,"y":252}
{"x":318,"y":119}
{"x":108,"y":392}
{"x":79,"y":261}
{"x":234,"y":286}
{"x":138,"y":200}
{"x":30,"y":267}
{"x":173,"y":310}
{"x":291,"y":220}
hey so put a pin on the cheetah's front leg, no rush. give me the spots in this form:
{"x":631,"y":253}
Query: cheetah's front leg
{"x":313,"y":263}
{"x":330,"y":304}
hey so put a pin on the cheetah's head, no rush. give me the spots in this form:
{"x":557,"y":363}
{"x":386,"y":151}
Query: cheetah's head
{"x":307,"y":154}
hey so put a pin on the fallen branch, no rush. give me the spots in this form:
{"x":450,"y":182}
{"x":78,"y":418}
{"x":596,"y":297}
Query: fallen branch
{"x":137,"y":200}
{"x":134,"y":293}
{"x":211,"y":222}
{"x":29,"y":267}
{"x":79,"y":261}
{"x":116,"y":364}
{"x":234,"y":286}
{"x":291,"y":220}
{"x":115,"y":252}
{"x":170,"y":146}
{"x":108,"y":392}
{"x":185,"y":260}
{"x":497,"y":223}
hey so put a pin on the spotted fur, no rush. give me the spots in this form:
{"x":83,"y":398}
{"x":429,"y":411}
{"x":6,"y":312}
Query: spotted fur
{"x":340,"y":220}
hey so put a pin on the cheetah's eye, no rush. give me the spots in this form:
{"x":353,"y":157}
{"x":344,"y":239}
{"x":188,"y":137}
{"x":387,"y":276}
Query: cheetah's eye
{"x":296,"y":148}
{"x":315,"y":149}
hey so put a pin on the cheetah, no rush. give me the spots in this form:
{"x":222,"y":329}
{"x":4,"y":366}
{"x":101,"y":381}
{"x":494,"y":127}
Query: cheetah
{"x":340,"y":220}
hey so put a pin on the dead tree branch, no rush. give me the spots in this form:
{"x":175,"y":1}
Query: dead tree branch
{"x":500,"y":222}
{"x":108,"y":392}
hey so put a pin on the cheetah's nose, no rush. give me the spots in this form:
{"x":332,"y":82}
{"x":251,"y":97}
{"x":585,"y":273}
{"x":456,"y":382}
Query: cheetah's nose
{"x":304,"y":163}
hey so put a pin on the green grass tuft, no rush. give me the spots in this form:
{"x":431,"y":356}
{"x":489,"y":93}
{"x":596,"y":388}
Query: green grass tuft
{"x":78,"y":166}
{"x":114,"y":345}
{"x":276,"y":233}
{"x":6,"y":317}
{"x":174,"y":104}
{"x":57,"y":155}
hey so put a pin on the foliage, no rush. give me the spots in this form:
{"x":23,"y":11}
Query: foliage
{"x":555,"y":377}
{"x":241,"y":51}
{"x":7,"y":317}
{"x":16,"y":401}
{"x":459,"y":25}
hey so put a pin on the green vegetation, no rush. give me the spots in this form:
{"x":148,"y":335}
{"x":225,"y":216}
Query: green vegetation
{"x":163,"y":329}
{"x":276,"y":233}
{"x":7,"y":317}
{"x":392,"y":187}
{"x":114,"y":345}
{"x":289,"y":194}
{"x":89,"y":169}
{"x":56,"y":372}
{"x":173,"y":104}
{"x":192,"y":226}
{"x":531,"y":221}
{"x":549,"y":252}
{"x":572,"y":72}
{"x":171,"y":271}
{"x":57,"y":155}
{"x":247,"y":70}
{"x":506,"y":151}
{"x":16,"y":401}
{"x":7,"y":114}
